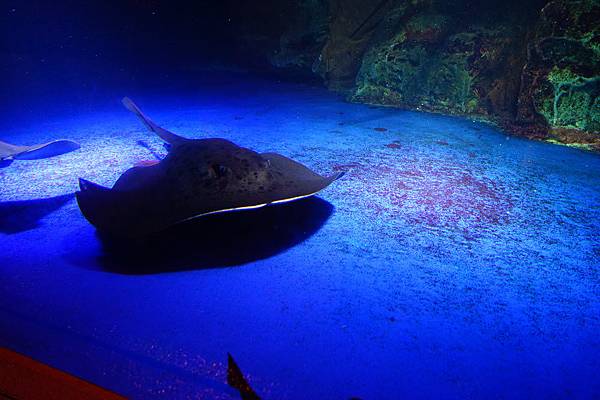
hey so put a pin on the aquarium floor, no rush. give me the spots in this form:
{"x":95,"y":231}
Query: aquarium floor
{"x":451,"y":261}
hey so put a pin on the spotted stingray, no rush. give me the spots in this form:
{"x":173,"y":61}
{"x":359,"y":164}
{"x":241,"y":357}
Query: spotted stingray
{"x":197,"y":177}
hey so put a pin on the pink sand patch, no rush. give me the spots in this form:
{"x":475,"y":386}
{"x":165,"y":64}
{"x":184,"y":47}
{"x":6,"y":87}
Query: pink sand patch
{"x":430,"y":192}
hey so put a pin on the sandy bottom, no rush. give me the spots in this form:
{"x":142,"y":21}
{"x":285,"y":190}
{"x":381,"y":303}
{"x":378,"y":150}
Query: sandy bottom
{"x":451,"y":261}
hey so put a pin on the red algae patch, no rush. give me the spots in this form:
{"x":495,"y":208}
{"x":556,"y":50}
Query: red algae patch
{"x":433,"y":193}
{"x":345,"y":167}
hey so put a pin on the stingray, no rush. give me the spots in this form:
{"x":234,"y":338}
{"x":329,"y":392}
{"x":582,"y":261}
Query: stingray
{"x":196,"y":178}
{"x":36,"y":152}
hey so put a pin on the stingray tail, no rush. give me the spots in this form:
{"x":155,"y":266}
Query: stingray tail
{"x":164,"y":134}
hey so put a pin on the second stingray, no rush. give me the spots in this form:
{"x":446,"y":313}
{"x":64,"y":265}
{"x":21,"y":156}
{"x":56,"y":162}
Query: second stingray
{"x":196,"y":178}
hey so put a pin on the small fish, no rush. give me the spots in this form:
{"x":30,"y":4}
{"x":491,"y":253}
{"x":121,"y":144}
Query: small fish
{"x":381,"y":129}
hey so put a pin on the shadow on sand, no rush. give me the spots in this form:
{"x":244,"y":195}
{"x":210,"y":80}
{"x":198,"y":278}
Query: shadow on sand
{"x":20,"y":216}
{"x":5,"y":163}
{"x":220,"y":240}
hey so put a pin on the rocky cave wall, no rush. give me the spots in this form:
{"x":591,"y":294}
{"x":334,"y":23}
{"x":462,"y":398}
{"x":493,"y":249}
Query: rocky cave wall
{"x":533,"y":67}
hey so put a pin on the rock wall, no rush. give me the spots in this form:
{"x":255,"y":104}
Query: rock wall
{"x":434,"y":62}
{"x":281,"y":36}
{"x":560,"y":82}
{"x":533,"y":67}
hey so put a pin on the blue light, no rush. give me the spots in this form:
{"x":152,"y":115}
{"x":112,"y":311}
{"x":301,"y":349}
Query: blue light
{"x":451,"y":264}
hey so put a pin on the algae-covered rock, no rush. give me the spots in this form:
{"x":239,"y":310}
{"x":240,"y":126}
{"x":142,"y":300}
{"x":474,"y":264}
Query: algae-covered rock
{"x":532,"y":66}
{"x":561,"y":80}
{"x":538,"y":68}
{"x":570,"y":103}
{"x":353,"y":24}
{"x":435,"y":63}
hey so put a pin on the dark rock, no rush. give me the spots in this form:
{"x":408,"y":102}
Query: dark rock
{"x":351,"y":27}
{"x":301,"y":43}
{"x":532,"y":66}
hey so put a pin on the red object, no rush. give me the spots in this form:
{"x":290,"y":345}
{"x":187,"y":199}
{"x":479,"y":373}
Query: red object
{"x":146,"y":163}
{"x":22,"y":378}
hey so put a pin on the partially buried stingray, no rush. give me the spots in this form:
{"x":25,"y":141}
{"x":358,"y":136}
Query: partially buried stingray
{"x":197,"y":177}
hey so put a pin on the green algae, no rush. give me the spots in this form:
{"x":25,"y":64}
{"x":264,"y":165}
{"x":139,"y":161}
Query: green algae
{"x":574,"y":103}
{"x":413,"y":75}
{"x":581,"y":146}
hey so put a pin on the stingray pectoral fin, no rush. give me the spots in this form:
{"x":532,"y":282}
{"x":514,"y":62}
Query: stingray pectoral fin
{"x":87,"y":186}
{"x":138,"y":177}
{"x":164,"y":134}
{"x":126,"y":214}
{"x":337,"y":176}
{"x":296,"y":171}
{"x":310,"y":188}
{"x":95,"y":203}
{"x":301,"y":181}
{"x":46,"y":150}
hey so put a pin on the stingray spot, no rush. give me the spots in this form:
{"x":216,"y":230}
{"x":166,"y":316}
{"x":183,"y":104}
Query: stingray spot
{"x":220,"y":170}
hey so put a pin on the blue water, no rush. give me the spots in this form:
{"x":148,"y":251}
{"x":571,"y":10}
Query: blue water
{"x":452,"y":261}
